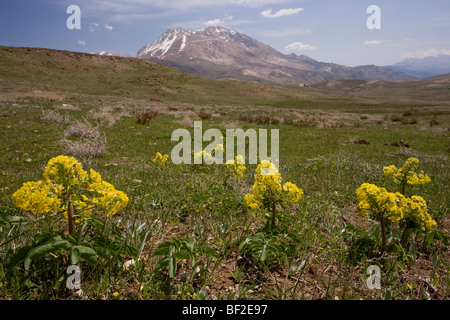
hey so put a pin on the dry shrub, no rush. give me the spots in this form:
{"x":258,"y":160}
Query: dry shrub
{"x":85,"y":148}
{"x":406,"y":121}
{"x":408,"y":114}
{"x":259,"y":119}
{"x":108,"y":118}
{"x":105,"y":117}
{"x":145,"y":117}
{"x":434,"y":122}
{"x":55,"y":117}
{"x":83,"y":130}
{"x":313,"y":122}
{"x":396,"y":118}
{"x":204,"y":115}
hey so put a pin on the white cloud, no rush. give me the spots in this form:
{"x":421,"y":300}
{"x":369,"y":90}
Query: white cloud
{"x":280,"y":13}
{"x":81,"y":42}
{"x":299,"y":47}
{"x":93,"y":27}
{"x":218,"y":21}
{"x":96,"y":7}
{"x":257,"y":3}
{"x":214,"y":22}
{"x":372,"y":42}
{"x":108,"y":27}
{"x":420,"y":54}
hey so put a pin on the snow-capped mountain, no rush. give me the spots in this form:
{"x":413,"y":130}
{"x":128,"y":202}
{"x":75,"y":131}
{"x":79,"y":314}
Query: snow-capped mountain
{"x":220,"y":52}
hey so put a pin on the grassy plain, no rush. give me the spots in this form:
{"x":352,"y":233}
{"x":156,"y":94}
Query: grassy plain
{"x":333,"y":137}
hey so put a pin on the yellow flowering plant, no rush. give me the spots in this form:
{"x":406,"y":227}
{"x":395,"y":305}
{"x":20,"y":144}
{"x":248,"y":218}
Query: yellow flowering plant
{"x":416,"y":210}
{"x":235,"y":168}
{"x":388,"y":207}
{"x":407,"y":174}
{"x":380,"y":205}
{"x":268,"y":190}
{"x":68,"y":190}
{"x":66,"y":187}
{"x":160,"y":159}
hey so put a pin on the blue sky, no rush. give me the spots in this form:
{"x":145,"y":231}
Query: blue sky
{"x":325,"y":30}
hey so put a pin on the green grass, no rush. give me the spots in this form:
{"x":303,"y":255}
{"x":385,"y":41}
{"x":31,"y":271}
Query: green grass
{"x":191,"y":202}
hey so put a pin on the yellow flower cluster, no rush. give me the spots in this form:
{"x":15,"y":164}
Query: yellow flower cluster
{"x":416,"y":210}
{"x":105,"y":195}
{"x":293,"y":193}
{"x":268,"y":188}
{"x":378,"y":200}
{"x":65,"y":171}
{"x":407,"y":173}
{"x":38,"y":197}
{"x":395,"y":206}
{"x":160,"y":159}
{"x":198,"y":156}
{"x":64,"y":177}
{"x":236,"y":166}
{"x":218,"y":149}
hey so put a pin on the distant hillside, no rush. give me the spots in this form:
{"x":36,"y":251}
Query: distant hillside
{"x":423,"y":68}
{"x":219,"y":52}
{"x":89,"y":77}
{"x":74,"y":73}
{"x":434,"y":88}
{"x":111,"y":53}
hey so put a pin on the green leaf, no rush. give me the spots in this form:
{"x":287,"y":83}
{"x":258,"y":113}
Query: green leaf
{"x":189,"y":245}
{"x":209,"y":251}
{"x":181,"y":255}
{"x":161,"y":252}
{"x":37,"y":252}
{"x":16,"y":219}
{"x":162,"y":263}
{"x":62,"y":244}
{"x":16,"y":256}
{"x":264,"y":253}
{"x":74,"y":255}
{"x":86,"y":251}
{"x":172,"y":267}
{"x":388,"y":294}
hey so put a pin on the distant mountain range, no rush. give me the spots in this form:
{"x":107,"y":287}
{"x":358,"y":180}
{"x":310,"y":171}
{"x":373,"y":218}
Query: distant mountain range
{"x":220,"y":52}
{"x":423,"y":68}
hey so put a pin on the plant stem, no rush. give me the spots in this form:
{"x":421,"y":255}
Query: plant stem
{"x":70,"y":218}
{"x":383,"y":234}
{"x":273,"y":215}
{"x":405,"y":228}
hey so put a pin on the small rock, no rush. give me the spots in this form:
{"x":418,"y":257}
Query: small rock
{"x":77,"y":294}
{"x":400,"y":144}
{"x":128,"y":264}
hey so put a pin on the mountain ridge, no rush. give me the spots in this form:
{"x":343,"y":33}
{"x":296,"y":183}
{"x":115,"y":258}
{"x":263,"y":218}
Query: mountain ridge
{"x":423,"y":67}
{"x":221,"y":52}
